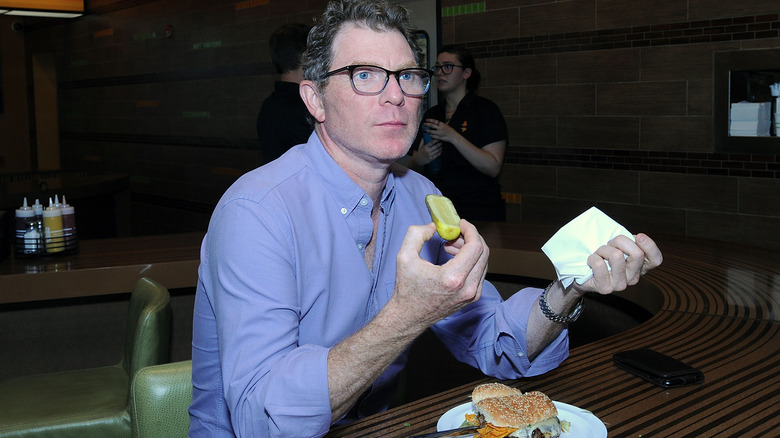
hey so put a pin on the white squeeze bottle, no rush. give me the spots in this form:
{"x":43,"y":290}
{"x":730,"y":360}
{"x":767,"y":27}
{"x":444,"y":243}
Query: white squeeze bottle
{"x":38,"y":209}
{"x":32,"y":239}
{"x":24,"y":215}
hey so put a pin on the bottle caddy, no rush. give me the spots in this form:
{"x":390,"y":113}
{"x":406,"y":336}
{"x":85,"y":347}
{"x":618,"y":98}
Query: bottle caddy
{"x":45,"y":231}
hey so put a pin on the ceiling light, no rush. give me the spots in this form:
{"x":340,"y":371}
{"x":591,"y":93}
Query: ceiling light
{"x":43,"y":8}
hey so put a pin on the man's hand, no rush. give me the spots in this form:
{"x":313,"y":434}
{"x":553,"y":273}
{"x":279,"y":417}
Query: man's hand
{"x":424,"y":293}
{"x":429,"y":292}
{"x":628,"y":261}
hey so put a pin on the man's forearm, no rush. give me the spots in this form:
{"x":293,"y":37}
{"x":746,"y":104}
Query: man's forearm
{"x":355,"y":363}
{"x":541,"y":330}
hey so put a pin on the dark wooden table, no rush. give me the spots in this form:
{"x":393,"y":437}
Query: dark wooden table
{"x":718,"y":309}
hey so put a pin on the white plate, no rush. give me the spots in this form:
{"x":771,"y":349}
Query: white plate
{"x":583,"y":423}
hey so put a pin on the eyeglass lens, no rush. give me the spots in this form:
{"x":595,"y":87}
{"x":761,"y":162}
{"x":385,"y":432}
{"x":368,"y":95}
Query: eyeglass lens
{"x":372,"y":80}
{"x":445,"y":68}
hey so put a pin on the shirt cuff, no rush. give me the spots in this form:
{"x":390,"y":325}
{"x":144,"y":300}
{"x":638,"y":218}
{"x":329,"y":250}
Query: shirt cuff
{"x":298,"y":398}
{"x":512,"y":324}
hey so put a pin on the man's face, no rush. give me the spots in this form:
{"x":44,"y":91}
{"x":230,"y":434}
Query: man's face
{"x":379,"y":128}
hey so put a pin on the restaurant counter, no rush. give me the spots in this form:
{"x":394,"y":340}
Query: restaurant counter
{"x":66,"y":312}
{"x":102,"y":267}
{"x":111,"y":266}
{"x":716,"y":307}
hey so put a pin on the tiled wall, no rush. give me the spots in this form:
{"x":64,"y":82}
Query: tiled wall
{"x":168,"y":92}
{"x":609,"y":102}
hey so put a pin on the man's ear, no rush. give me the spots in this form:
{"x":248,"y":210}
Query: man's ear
{"x":467,"y":73}
{"x":311,"y":97}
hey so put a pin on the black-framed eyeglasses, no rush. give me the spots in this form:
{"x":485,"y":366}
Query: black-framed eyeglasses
{"x":445,"y":68}
{"x":372,"y":80}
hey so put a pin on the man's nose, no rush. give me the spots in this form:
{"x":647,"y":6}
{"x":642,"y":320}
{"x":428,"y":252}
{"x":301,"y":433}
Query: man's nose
{"x":393,"y":91}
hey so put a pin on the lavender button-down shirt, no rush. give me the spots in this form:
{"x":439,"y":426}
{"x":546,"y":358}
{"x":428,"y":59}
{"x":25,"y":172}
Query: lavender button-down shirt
{"x":283,"y":279}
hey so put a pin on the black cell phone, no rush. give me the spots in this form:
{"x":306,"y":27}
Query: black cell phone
{"x":658,"y":368}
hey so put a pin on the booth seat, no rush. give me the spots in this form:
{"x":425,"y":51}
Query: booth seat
{"x":91,"y":402}
{"x":159,"y":398}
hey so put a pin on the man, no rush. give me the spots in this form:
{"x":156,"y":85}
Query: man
{"x":283,"y":118}
{"x":321,"y":268}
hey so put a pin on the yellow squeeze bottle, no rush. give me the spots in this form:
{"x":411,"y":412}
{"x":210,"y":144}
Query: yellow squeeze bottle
{"x":52,"y":225}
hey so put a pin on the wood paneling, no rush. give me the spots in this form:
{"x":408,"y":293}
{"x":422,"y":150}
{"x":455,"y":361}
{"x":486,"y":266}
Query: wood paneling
{"x":620,"y":65}
{"x":485,"y":25}
{"x":642,"y":98}
{"x":676,"y":133}
{"x":599,"y":132}
{"x":599,"y":185}
{"x":696,"y":192}
{"x":557,"y":100}
{"x":558,"y":17}
{"x":619,"y":13}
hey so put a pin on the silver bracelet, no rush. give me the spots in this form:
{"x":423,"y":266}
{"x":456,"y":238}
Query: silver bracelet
{"x":552,"y":316}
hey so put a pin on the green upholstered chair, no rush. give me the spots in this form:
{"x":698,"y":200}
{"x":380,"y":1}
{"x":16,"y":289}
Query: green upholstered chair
{"x":159,"y":398}
{"x":91,"y":402}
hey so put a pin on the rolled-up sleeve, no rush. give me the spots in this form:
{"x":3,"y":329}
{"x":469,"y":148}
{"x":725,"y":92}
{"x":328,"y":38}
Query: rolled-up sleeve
{"x":491,"y":335}
{"x":274,"y":385}
{"x":296,"y":399}
{"x":512,"y":324}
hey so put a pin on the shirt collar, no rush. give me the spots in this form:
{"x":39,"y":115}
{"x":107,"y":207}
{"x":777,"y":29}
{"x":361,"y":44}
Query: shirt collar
{"x":344,"y":191}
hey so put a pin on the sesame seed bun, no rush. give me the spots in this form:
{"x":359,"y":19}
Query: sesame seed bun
{"x":490,"y":390}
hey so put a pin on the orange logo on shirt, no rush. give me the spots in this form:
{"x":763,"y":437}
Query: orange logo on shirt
{"x":464,"y":126}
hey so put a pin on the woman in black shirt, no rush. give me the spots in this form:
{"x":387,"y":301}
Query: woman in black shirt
{"x":468,"y":137}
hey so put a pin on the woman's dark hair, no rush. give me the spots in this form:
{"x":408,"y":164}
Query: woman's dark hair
{"x":378,"y":15}
{"x":466,"y":59}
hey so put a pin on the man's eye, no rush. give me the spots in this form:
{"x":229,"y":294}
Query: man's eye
{"x":362,"y":75}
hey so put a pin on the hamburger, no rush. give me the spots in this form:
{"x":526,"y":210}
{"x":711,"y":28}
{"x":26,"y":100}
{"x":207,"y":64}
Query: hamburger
{"x":511,"y":413}
{"x":492,"y":390}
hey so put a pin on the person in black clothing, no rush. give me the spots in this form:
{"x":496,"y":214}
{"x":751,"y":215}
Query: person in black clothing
{"x":283,"y":119}
{"x":468,"y":137}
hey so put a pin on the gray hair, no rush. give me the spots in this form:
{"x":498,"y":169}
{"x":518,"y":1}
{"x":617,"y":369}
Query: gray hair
{"x":378,"y":15}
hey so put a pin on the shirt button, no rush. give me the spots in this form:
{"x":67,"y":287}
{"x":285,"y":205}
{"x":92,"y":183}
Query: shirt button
{"x":364,"y":202}
{"x":360,"y":246}
{"x":343,"y":210}
{"x":521,"y":354}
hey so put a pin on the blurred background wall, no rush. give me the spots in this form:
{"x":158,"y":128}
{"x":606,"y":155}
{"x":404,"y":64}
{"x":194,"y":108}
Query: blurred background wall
{"x":609,"y":103}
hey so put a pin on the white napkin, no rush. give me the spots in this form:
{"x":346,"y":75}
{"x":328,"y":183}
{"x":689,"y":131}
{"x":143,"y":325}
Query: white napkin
{"x":569,"y":248}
